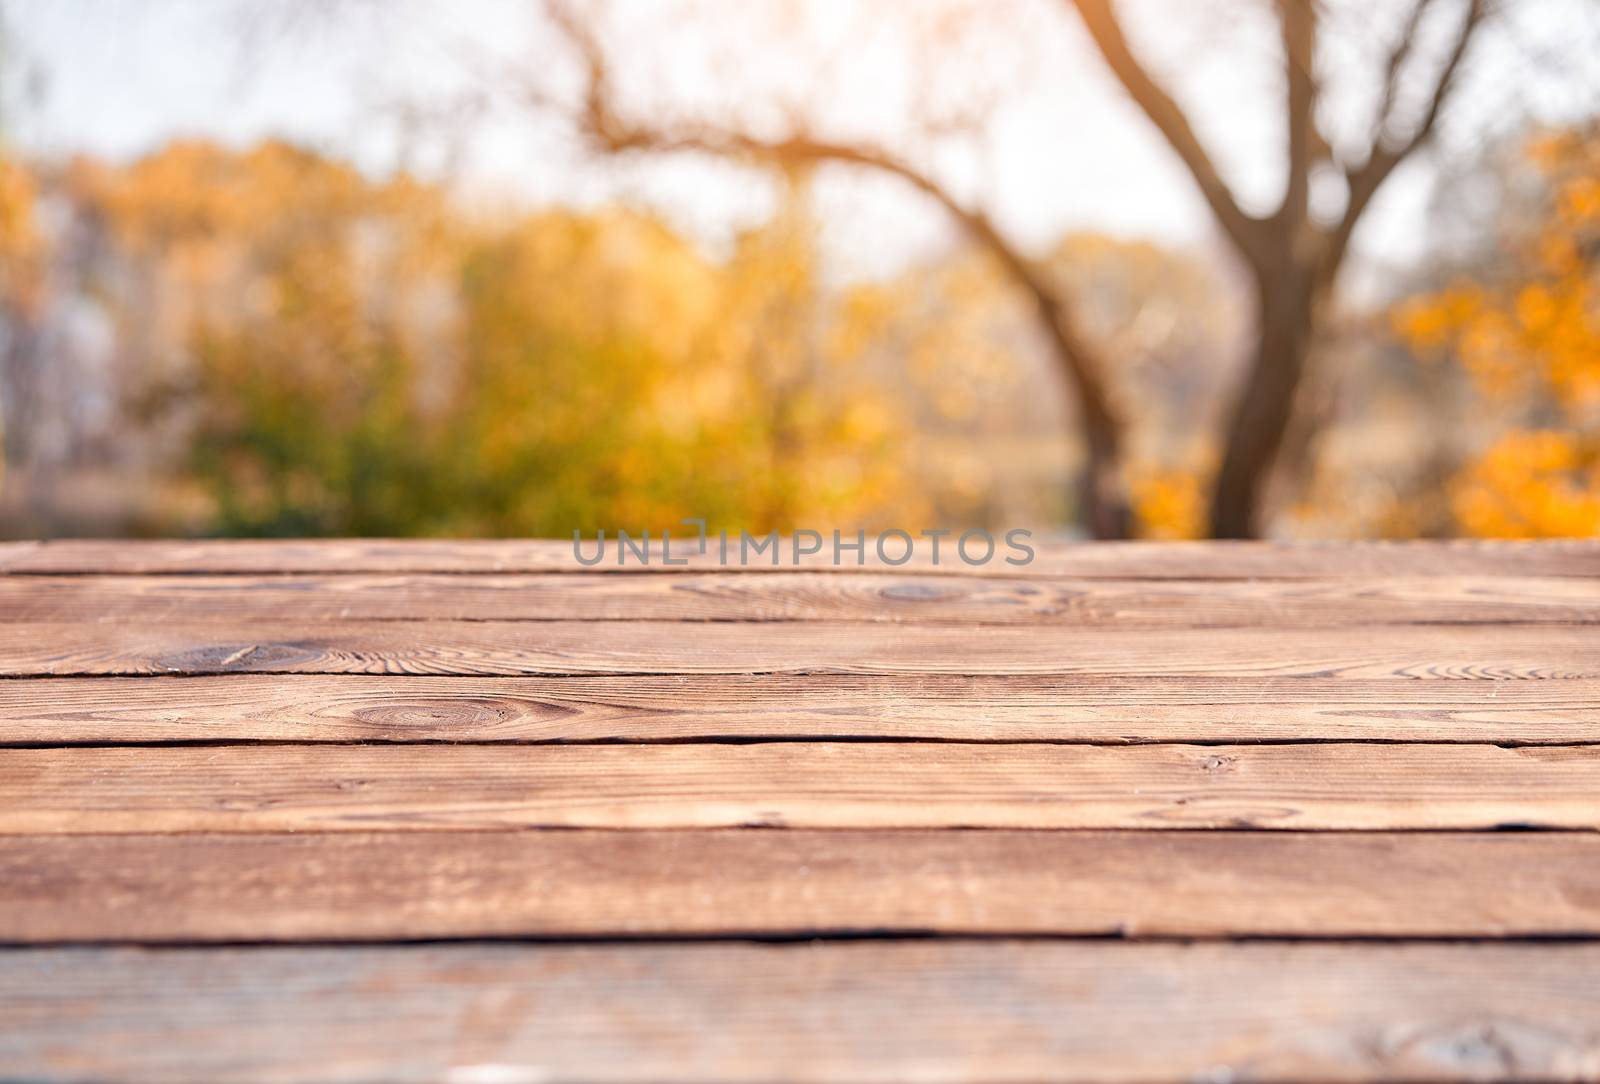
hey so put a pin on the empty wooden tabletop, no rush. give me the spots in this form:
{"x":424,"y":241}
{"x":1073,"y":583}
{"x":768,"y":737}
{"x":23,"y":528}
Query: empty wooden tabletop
{"x":475,"y":812}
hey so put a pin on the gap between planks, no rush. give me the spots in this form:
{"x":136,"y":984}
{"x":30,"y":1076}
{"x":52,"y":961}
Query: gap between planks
{"x":333,"y":788}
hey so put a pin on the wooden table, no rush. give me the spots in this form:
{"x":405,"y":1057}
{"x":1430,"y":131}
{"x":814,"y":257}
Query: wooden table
{"x":467,"y":812}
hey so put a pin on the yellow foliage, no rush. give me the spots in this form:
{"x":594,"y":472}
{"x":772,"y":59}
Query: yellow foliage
{"x":369,"y":360}
{"x":1531,"y":484}
{"x":1169,"y":504}
{"x":1530,"y":340}
{"x":1432,"y":322}
{"x":20,"y":243}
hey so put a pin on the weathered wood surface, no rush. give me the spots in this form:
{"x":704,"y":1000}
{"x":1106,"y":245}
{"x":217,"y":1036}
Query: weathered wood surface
{"x":1142,"y":560}
{"x":970,"y":773}
{"x":795,"y":707}
{"x":803,"y":785}
{"x":665,"y":647}
{"x":403,"y":885}
{"x":806,"y":596}
{"x":952,"y":1011}
{"x":11,"y":552}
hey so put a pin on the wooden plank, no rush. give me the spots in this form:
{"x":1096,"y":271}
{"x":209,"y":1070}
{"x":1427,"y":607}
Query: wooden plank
{"x":634,"y":708}
{"x":408,"y":886}
{"x":663,"y":647}
{"x":802,"y":785}
{"x":1183,"y":560}
{"x":11,"y":552}
{"x":863,"y":1011}
{"x":806,"y":596}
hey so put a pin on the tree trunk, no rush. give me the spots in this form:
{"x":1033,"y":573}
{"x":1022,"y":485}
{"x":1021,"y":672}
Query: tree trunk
{"x":1102,"y":491}
{"x":1284,"y":306}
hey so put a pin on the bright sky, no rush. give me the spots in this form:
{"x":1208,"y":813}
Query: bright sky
{"x":118,"y":78}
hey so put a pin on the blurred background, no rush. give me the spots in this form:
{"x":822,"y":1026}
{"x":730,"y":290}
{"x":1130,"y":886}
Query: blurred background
{"x":1305,"y":268}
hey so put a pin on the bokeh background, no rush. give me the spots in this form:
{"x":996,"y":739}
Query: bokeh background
{"x":1312,"y":268}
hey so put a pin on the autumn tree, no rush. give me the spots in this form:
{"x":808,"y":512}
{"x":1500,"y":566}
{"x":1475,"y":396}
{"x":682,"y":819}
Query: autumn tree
{"x":1524,"y":326}
{"x":1292,"y":254}
{"x":339,"y":353}
{"x":990,"y":446}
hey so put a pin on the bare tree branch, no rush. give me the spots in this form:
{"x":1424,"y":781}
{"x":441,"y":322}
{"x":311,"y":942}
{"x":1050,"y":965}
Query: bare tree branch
{"x":1386,"y":153}
{"x":1103,"y":500}
{"x":1298,"y":22}
{"x":1169,"y":118}
{"x":1102,"y":427}
{"x":1397,"y":62}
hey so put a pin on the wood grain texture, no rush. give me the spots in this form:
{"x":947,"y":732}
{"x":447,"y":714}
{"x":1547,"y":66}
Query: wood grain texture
{"x":1035,"y":785}
{"x":806,"y":596}
{"x":664,"y":647}
{"x":10,"y":552}
{"x":417,"y":886}
{"x":1145,"y":560}
{"x":680,"y":707}
{"x":866,"y":1011}
{"x":800,"y":785}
